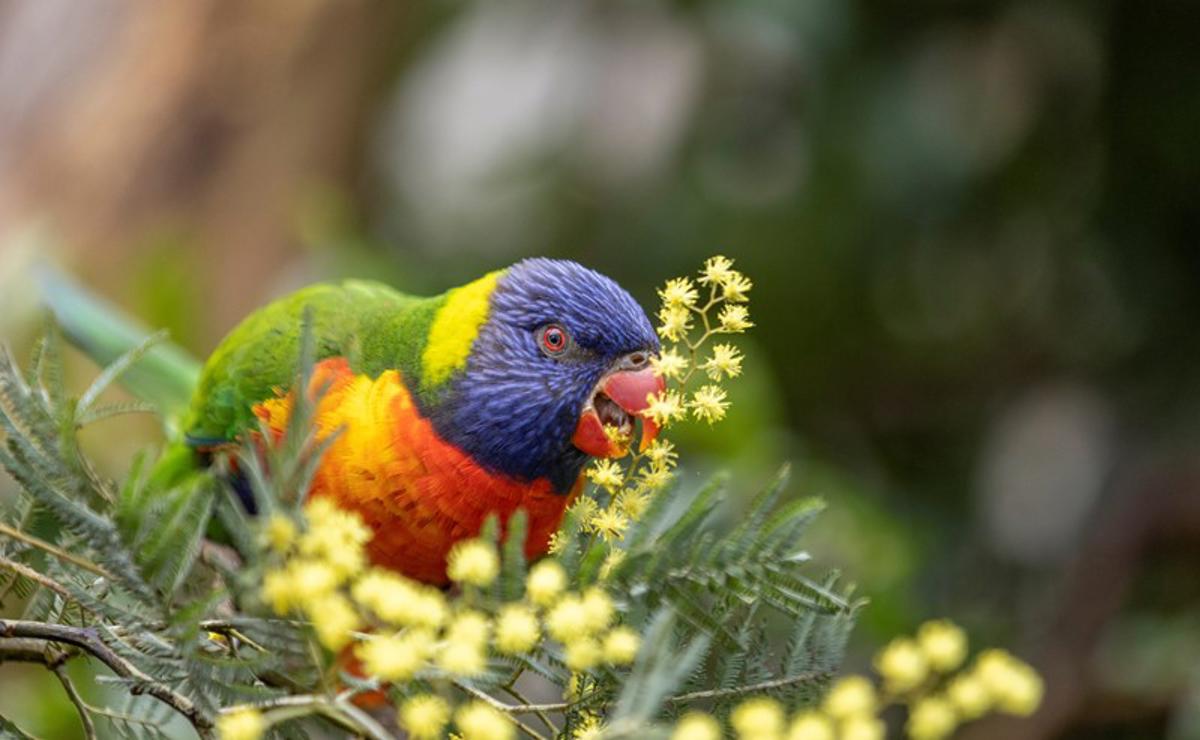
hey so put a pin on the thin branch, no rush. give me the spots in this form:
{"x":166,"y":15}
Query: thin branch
{"x":121,"y":717}
{"x":342,"y":713}
{"x":24,"y":570}
{"x":23,"y":650}
{"x":57,"y":552}
{"x":224,"y":628}
{"x":86,"y":639}
{"x":776,"y":683}
{"x":543,"y":716}
{"x":31,"y":650}
{"x":365,"y":722}
{"x":58,"y":665}
{"x":506,"y":708}
{"x":561,"y":706}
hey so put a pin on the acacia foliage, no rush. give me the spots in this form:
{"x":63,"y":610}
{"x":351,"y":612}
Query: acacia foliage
{"x":726,"y":602}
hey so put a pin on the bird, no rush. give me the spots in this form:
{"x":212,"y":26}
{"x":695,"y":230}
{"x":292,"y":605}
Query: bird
{"x":442,"y":411}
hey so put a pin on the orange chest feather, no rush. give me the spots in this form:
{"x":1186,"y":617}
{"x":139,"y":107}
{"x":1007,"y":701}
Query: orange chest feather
{"x":418,"y":493}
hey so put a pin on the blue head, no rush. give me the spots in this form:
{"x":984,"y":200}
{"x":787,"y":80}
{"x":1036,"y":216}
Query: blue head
{"x":556,"y":336}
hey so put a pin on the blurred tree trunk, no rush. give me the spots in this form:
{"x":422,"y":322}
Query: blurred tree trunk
{"x":208,"y":118}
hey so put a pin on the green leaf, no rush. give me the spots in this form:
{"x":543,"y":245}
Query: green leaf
{"x":117,"y":368}
{"x":660,"y":668}
{"x":511,"y":583}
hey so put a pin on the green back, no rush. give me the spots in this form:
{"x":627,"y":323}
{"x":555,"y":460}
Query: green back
{"x":374,"y":326}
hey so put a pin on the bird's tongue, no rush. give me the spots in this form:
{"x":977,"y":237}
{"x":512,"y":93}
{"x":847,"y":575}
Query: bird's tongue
{"x":631,"y":390}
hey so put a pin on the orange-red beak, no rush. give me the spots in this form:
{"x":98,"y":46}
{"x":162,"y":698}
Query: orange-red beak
{"x":619,"y":397}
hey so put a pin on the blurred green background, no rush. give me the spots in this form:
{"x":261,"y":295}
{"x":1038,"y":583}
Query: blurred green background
{"x":971,"y":226}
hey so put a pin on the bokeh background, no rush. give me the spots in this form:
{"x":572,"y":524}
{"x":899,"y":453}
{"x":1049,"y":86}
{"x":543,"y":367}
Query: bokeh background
{"x":972,"y":227}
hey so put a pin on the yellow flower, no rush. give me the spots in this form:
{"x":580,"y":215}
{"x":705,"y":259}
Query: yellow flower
{"x":735,"y":288}
{"x":397,"y":600}
{"x":584,"y":508}
{"x":609,"y":523}
{"x":810,"y":726}
{"x":478,"y":721}
{"x":280,"y":532}
{"x":850,"y":696}
{"x":424,"y":716}
{"x":1024,"y":695}
{"x":943,"y":643}
{"x":666,"y":407}
{"x":277,"y":590}
{"x":1014,"y":686}
{"x":902,"y":665}
{"x":656,"y":478}
{"x":679,"y":292}
{"x":241,"y":724}
{"x":670,"y":364}
{"x":462,"y":659}
{"x":618,"y":438}
{"x":734,"y":319}
{"x":696,"y":726}
{"x":311,"y":579}
{"x":335,"y":536}
{"x":717,"y":270}
{"x":709,"y":404}
{"x":347,"y":561}
{"x":633,"y":503}
{"x":621,"y":646}
{"x":582,"y":653}
{"x":517,"y":630}
{"x":333,"y":618}
{"x":606,"y":474}
{"x":545,"y":582}
{"x":758,"y":719}
{"x":395,"y":657}
{"x":331,"y":526}
{"x":674,"y":322}
{"x":862,"y":727}
{"x":568,"y":619}
{"x":969,"y":696}
{"x":589,"y":728}
{"x":469,"y":627}
{"x":557,"y":544}
{"x":725,"y":361}
{"x":597,"y":609}
{"x":473,"y":562}
{"x":661,"y":453}
{"x":931,"y":718}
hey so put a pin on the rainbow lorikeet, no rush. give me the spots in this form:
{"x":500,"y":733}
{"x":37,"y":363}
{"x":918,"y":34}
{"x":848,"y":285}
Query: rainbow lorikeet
{"x":485,"y":399}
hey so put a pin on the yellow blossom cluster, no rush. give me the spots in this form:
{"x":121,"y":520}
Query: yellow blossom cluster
{"x":628,"y":490}
{"x":682,"y":311}
{"x":917,"y":671}
{"x":424,"y":716}
{"x":692,"y":312}
{"x":583,"y":623}
{"x":623,"y":489}
{"x":473,"y":562}
{"x":318,"y":562}
{"x":681,"y":304}
{"x":406,"y":633}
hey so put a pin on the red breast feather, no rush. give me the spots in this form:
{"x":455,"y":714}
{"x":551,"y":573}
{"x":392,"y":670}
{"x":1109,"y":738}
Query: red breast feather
{"x":418,"y":493}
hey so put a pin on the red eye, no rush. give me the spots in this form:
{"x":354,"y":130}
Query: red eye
{"x":554,"y":340}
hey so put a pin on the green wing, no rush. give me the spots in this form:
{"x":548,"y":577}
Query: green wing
{"x":371,"y":324}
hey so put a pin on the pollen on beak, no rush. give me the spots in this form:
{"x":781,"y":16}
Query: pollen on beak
{"x":619,"y":398}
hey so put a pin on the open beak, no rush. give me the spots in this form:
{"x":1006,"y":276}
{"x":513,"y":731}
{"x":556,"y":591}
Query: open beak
{"x":620,"y":397}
